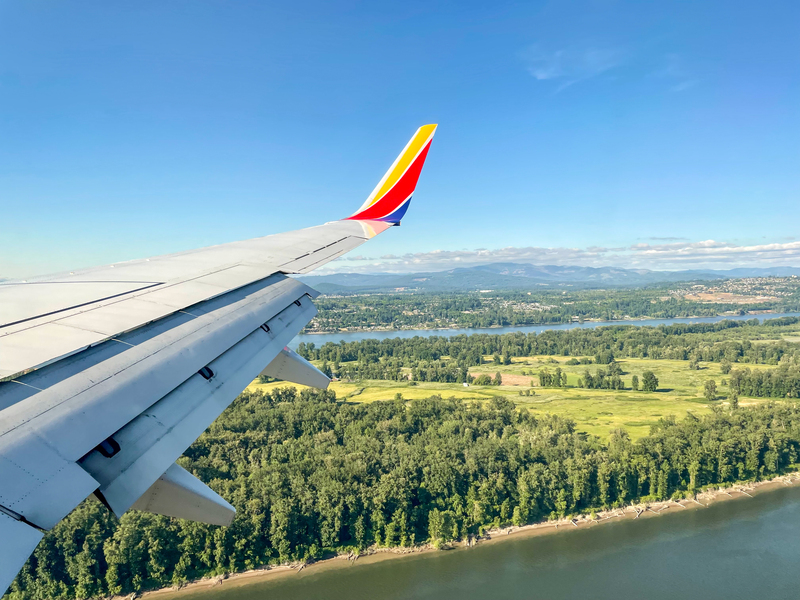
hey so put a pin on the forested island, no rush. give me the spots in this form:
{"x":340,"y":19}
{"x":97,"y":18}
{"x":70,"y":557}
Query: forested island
{"x":449,"y":359}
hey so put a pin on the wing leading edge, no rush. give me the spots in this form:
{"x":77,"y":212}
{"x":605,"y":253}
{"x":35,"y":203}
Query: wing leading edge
{"x":108,"y":374}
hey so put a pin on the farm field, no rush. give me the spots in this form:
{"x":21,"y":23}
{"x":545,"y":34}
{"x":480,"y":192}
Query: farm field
{"x":596,"y":412}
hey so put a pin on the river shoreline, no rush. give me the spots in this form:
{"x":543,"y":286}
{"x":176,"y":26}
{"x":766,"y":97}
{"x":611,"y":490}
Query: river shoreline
{"x":373,"y":555}
{"x":588,"y":320}
{"x":625,"y":319}
{"x":319,"y":338}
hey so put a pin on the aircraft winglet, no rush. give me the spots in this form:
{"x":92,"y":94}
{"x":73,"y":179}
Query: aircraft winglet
{"x":389,"y":201}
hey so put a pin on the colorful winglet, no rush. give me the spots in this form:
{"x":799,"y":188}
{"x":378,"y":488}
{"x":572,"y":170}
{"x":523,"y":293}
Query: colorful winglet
{"x":389,"y":201}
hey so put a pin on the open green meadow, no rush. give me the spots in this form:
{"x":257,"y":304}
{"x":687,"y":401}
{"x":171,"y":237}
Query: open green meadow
{"x":598,"y":412}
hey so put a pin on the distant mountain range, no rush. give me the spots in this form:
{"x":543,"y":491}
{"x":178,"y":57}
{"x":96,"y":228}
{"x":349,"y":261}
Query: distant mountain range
{"x":512,"y":276}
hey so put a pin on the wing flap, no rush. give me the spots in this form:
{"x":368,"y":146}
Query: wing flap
{"x":37,"y":482}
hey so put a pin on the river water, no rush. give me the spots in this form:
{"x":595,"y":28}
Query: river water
{"x":740,"y":549}
{"x":322,"y":338}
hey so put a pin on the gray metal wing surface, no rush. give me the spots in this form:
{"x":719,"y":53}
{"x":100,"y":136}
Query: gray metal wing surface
{"x":108,"y":374}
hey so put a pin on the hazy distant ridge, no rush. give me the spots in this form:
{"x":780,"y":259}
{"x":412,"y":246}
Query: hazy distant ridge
{"x":507,"y":276}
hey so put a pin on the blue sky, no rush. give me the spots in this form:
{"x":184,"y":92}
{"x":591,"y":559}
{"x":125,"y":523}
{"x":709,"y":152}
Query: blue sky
{"x":647,"y":134}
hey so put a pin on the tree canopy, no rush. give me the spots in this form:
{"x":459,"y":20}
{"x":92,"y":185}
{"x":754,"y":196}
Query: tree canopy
{"x":308,"y":474}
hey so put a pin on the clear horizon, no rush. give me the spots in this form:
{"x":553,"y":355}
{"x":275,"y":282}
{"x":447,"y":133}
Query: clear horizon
{"x":659,"y":136}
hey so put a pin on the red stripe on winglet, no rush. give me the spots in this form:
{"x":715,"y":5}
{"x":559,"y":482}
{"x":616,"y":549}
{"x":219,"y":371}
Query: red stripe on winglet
{"x":404,"y":187}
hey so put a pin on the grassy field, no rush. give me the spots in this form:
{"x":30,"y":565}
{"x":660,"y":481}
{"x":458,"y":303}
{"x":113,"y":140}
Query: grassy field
{"x":596,"y":411}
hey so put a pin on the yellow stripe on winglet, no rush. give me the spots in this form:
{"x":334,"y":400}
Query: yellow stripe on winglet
{"x":400,"y":164}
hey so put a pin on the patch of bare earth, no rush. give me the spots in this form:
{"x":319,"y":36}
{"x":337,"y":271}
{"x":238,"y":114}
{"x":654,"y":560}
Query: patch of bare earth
{"x":509,"y":379}
{"x":727,"y":298}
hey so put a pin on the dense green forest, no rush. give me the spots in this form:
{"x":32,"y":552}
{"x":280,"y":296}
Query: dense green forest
{"x":783,"y":382}
{"x":446,"y":359}
{"x":309,"y":475}
{"x":511,"y":308}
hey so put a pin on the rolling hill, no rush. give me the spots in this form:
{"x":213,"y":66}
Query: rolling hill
{"x":513,"y":276}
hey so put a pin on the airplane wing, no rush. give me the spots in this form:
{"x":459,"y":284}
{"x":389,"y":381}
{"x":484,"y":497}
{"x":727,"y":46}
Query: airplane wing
{"x":108,"y":374}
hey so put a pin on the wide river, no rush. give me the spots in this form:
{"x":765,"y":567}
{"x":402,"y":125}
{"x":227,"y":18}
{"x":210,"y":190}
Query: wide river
{"x":321,"y":338}
{"x":739,"y":549}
